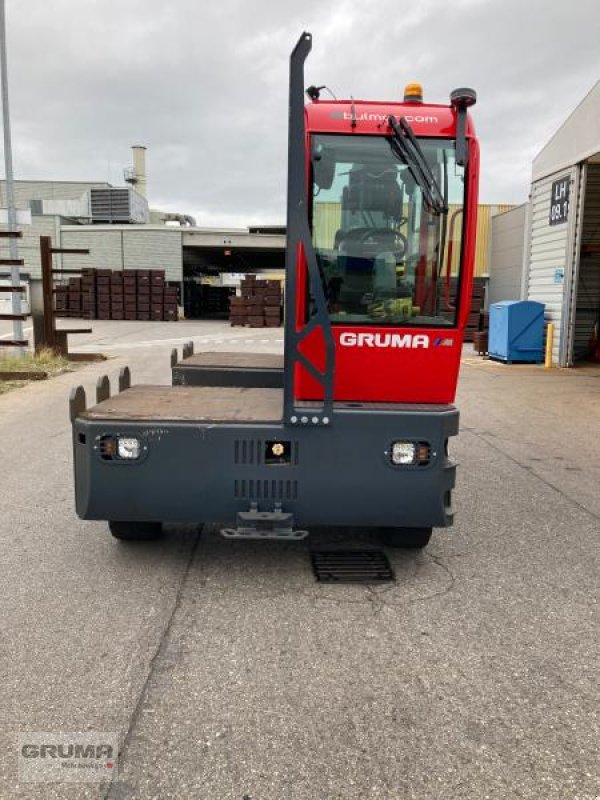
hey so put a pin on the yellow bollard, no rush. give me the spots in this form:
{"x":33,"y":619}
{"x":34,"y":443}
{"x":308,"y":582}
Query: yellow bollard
{"x":549,"y":345}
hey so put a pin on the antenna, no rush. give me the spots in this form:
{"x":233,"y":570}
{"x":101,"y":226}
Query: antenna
{"x":353,"y":122}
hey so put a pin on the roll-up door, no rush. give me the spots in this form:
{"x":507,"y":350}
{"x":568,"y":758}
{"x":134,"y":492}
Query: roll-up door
{"x":587,"y":289}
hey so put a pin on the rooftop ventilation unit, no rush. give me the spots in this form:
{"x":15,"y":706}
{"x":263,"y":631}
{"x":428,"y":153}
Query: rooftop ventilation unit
{"x":111,"y":205}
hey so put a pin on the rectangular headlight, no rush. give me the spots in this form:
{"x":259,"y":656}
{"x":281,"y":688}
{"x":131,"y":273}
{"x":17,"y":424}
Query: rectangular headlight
{"x":129,"y":448}
{"x":403,"y":453}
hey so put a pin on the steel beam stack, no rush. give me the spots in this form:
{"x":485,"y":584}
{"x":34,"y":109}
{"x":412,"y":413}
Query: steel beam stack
{"x":103,"y":294}
{"x":259,"y":305}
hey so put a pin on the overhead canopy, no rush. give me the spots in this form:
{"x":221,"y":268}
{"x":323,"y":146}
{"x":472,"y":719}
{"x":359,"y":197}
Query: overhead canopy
{"x":577,"y":139}
{"x":225,"y":238}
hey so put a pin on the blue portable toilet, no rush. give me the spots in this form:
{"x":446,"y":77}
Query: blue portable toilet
{"x":516,"y":331}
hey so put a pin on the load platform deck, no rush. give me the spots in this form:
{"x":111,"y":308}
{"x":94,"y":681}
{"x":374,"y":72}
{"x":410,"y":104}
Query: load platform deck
{"x":190,"y":404}
{"x":229,"y":369}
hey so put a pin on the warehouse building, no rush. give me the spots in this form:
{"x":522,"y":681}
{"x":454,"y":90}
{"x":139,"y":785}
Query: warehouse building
{"x":122,"y":233}
{"x":556,"y":236}
{"x":207,"y":264}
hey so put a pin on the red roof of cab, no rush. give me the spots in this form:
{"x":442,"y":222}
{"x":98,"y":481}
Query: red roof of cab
{"x":325,"y":116}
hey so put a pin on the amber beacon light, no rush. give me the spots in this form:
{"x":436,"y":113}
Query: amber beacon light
{"x":413,"y":93}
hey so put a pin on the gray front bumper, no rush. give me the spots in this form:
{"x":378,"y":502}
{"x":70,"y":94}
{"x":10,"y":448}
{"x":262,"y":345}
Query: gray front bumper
{"x":341,"y":475}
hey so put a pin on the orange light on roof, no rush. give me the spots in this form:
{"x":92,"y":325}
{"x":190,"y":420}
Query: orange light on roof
{"x":413,"y":93}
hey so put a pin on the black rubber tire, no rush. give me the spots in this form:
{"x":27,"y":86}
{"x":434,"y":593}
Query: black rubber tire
{"x":135,"y":531}
{"x":407,"y":538}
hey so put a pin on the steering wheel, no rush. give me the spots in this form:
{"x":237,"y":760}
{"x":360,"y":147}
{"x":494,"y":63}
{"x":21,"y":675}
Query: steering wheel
{"x":385,"y":237}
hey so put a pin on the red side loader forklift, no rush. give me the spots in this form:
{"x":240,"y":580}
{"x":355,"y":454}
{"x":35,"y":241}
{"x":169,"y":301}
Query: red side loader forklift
{"x":381,"y":211}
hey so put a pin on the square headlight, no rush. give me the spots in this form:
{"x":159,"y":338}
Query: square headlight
{"x":403,"y":453}
{"x":129,"y":448}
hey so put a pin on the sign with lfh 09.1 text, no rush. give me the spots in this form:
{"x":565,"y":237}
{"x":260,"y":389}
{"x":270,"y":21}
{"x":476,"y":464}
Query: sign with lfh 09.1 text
{"x":559,"y":201}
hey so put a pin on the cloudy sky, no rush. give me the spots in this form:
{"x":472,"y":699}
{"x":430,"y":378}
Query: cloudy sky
{"x":204,"y":85}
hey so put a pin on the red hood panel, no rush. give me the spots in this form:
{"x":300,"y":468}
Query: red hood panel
{"x":395,"y":365}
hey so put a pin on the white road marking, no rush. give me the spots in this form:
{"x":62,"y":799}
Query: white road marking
{"x":199,"y":341}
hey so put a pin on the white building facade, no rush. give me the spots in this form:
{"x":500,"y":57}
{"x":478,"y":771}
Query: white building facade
{"x":562,"y":253}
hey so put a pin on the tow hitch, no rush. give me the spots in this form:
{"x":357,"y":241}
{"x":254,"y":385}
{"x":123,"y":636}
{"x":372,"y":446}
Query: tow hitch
{"x":255,"y":524}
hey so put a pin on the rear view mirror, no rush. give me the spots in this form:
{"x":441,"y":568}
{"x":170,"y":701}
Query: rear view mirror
{"x":323,"y":161}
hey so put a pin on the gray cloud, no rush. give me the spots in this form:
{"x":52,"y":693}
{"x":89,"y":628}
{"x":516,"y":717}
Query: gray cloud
{"x":204,"y":86}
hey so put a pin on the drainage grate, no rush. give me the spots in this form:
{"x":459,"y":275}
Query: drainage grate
{"x":351,"y":566}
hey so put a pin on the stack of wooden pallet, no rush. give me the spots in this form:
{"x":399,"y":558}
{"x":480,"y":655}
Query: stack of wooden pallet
{"x":107,"y":294}
{"x":259,"y":305}
{"x":477,"y":305}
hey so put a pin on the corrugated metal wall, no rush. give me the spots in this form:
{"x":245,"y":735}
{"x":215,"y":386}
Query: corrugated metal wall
{"x":104,"y":246}
{"x":588,"y":283}
{"x":329,"y":222}
{"x":551,"y":250}
{"x":147,"y":249}
{"x":485,"y":212}
{"x":506,"y":255}
{"x":129,"y":248}
{"x":29,"y":245}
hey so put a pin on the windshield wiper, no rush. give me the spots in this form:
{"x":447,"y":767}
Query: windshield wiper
{"x":444,"y":231}
{"x":405,"y":145}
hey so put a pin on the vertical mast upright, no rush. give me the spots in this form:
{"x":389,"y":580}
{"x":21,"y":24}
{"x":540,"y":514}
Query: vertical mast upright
{"x":10,"y":186}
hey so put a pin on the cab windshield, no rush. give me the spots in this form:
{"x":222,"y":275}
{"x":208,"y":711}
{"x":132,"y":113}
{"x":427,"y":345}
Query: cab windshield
{"x":385,"y":255}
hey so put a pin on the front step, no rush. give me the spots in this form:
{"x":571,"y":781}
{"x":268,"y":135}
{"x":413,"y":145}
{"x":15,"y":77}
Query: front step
{"x":255,"y":524}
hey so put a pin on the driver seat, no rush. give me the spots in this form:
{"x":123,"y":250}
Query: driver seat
{"x":356,"y":270}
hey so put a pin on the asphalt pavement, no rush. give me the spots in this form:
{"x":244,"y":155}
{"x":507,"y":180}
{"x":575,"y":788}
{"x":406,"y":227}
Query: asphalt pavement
{"x":229,"y":674}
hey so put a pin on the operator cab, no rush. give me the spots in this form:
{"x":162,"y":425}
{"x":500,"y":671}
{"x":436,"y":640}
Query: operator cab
{"x":392,"y":211}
